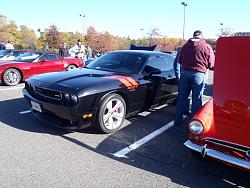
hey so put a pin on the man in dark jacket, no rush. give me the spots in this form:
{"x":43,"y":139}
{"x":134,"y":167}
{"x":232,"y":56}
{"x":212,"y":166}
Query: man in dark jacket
{"x":64,"y":51}
{"x":196,"y":57}
{"x":2,"y":45}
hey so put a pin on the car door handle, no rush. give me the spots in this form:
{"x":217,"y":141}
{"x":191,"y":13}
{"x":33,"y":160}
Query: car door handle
{"x":170,"y":76}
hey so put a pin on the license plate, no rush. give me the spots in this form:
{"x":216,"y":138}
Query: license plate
{"x":36,"y":106}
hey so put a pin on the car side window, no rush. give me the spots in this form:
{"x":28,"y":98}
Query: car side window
{"x":58,"y":56}
{"x":164,"y":63}
{"x":169,"y":59}
{"x":48,"y":57}
{"x":43,"y":57}
{"x":16,"y":53}
{"x":52,"y":57}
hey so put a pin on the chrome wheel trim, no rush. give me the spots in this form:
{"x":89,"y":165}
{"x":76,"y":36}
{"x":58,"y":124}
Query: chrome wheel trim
{"x":113,"y":114}
{"x":12,"y":77}
{"x":71,"y":67}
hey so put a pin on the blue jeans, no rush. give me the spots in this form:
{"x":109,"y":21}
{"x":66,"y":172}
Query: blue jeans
{"x":190,"y":81}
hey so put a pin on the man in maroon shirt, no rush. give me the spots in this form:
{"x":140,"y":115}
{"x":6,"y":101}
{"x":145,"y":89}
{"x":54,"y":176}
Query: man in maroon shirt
{"x":196,"y":57}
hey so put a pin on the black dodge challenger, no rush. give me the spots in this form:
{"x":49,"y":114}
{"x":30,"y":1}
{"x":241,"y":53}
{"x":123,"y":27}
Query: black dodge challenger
{"x":116,"y":85}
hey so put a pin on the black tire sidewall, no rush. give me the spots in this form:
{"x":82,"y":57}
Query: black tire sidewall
{"x":5,"y":74}
{"x":100,"y":124}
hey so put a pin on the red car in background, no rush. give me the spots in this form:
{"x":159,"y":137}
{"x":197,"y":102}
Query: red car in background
{"x":221,"y":129}
{"x":35,"y":62}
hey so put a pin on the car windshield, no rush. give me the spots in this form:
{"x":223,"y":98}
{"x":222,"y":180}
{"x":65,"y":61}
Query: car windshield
{"x":123,"y":62}
{"x":4,"y":52}
{"x":28,"y":56}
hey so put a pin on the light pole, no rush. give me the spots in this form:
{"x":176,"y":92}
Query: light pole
{"x":221,"y":29}
{"x":83,"y":17}
{"x":183,"y":33}
{"x":142,"y":32}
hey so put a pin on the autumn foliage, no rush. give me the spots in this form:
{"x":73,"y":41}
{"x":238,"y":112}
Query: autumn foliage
{"x":25,"y":38}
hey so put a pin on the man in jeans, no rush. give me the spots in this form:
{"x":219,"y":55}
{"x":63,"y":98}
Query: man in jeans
{"x":196,"y":57}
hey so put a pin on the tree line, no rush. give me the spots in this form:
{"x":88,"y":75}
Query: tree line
{"x":23,"y":37}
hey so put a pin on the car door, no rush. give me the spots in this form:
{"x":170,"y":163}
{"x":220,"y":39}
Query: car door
{"x":163,"y":84}
{"x":50,"y":62}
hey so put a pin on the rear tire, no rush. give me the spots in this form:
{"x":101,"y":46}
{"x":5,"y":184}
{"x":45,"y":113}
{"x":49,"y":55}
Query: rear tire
{"x":70,"y":67}
{"x":11,"y":77}
{"x":111,"y":113}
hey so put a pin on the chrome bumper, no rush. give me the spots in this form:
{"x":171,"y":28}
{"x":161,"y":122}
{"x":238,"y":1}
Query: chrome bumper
{"x":218,"y":155}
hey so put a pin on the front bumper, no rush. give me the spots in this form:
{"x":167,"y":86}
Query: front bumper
{"x":67,"y":117}
{"x":218,"y":155}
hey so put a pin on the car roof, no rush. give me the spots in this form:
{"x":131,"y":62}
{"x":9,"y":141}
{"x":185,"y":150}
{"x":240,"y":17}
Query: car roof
{"x":142,"y":52}
{"x":40,"y":51}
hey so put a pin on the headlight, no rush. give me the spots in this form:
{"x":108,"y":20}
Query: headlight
{"x":67,"y":96}
{"x":70,"y":99}
{"x":196,"y":127}
{"x":74,"y":98}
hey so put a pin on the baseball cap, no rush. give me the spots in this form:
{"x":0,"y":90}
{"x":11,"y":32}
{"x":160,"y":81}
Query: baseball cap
{"x":197,"y":33}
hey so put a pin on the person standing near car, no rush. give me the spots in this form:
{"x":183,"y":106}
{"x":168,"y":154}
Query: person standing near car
{"x":2,"y":45}
{"x":63,"y":50}
{"x":177,"y":66}
{"x":9,"y":46}
{"x":46,"y":47}
{"x":177,"y":71}
{"x":78,"y":50}
{"x":196,"y":57}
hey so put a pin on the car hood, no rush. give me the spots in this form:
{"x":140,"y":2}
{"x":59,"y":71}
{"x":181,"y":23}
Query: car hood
{"x":231,"y":90}
{"x":77,"y":79}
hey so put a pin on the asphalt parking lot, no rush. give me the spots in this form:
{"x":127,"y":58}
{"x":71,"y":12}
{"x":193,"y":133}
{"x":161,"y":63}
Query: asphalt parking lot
{"x":33,"y":154}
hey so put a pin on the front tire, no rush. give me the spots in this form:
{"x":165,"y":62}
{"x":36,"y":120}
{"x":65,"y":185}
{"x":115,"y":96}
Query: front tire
{"x":11,"y":77}
{"x":111,"y":113}
{"x":70,"y":67}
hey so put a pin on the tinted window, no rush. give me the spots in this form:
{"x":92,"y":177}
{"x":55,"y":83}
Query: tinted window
{"x":4,"y":52}
{"x":28,"y":57}
{"x":52,"y":57}
{"x":48,"y":57}
{"x":164,"y":63}
{"x":17,"y":53}
{"x":123,"y":62}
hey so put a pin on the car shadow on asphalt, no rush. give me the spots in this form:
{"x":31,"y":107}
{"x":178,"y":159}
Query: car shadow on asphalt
{"x":165,"y":155}
{"x":10,"y":116}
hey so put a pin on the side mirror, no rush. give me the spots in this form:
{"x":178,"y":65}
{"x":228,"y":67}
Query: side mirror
{"x":151,"y":70}
{"x":156,"y":71}
{"x":44,"y":61}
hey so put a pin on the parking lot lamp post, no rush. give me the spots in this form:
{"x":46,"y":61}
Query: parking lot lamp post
{"x":142,"y":32}
{"x":83,"y":19}
{"x":184,"y":17}
{"x":221,"y":29}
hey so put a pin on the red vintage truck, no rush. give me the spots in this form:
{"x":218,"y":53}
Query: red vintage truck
{"x":221,"y":129}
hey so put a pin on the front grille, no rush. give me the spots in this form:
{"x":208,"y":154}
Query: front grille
{"x":47,"y":93}
{"x":230,"y":148}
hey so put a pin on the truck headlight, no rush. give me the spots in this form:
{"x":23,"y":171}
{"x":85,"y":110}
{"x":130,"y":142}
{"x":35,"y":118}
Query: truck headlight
{"x":196,"y":127}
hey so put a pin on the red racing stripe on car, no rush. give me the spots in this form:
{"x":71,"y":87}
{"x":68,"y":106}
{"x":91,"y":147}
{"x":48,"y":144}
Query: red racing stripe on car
{"x":132,"y":81}
{"x":129,"y":82}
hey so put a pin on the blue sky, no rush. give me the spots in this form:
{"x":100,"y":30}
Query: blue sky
{"x":127,"y":17}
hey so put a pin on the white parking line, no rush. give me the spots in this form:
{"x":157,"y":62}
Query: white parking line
{"x":11,"y":88}
{"x":25,"y":112}
{"x":135,"y":145}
